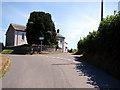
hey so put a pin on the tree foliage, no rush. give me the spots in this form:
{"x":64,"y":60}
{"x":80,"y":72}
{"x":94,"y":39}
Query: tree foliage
{"x":40,"y":24}
{"x":105,"y":43}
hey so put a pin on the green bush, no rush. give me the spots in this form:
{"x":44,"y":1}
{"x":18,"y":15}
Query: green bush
{"x":102,"y":47}
{"x":73,"y":50}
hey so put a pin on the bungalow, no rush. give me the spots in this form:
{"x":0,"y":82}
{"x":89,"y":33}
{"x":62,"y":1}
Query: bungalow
{"x":16,"y":36}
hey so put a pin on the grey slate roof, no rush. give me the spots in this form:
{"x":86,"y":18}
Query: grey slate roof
{"x":59,"y":35}
{"x":22,"y":28}
{"x":19,"y":27}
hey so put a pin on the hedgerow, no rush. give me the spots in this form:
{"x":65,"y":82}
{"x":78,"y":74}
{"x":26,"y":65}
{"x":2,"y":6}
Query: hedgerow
{"x":102,"y":47}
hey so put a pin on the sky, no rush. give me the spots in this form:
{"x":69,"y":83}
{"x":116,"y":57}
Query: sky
{"x":74,"y":19}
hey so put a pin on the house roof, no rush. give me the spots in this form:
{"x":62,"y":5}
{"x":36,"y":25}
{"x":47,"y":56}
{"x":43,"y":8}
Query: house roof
{"x":19,"y":27}
{"x":22,"y":28}
{"x":59,"y":35}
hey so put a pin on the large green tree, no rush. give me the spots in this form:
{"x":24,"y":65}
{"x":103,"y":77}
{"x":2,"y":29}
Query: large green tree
{"x":40,"y":24}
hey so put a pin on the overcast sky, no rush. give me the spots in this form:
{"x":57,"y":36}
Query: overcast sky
{"x":74,"y":19}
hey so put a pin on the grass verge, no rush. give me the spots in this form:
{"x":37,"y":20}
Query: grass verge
{"x":43,"y":52}
{"x":5,"y":64}
{"x":7,"y":51}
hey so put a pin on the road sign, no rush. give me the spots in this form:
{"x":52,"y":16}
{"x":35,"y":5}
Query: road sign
{"x":41,"y":38}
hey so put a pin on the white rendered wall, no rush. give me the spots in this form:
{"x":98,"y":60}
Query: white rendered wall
{"x":18,"y":38}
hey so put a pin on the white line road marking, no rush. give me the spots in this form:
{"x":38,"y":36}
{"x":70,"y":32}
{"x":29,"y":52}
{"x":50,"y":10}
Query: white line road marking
{"x":49,"y":57}
{"x":60,"y":58}
{"x":69,"y":59}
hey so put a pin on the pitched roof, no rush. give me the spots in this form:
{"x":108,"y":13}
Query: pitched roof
{"x":19,"y":27}
{"x":59,"y":35}
{"x":22,"y":28}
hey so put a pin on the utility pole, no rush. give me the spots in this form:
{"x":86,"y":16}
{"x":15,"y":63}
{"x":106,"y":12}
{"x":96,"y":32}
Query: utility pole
{"x":101,"y":10}
{"x":41,"y":45}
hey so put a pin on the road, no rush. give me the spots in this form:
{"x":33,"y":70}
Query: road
{"x":55,"y":71}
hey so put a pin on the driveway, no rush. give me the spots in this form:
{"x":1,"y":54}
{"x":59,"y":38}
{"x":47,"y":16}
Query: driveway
{"x":55,"y":71}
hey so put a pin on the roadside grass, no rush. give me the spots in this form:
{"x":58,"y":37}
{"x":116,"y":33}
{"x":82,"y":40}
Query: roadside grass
{"x":10,"y":51}
{"x":57,"y":53}
{"x":5,"y":64}
{"x":7,"y":51}
{"x":37,"y":53}
{"x":43,"y":52}
{"x":80,"y":55}
{"x":14,"y":51}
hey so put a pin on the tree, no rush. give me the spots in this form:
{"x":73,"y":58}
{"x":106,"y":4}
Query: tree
{"x":40,"y":24}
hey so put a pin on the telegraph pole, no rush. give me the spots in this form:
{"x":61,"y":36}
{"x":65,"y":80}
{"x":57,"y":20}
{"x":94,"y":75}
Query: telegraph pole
{"x":41,"y":45}
{"x":101,"y":10}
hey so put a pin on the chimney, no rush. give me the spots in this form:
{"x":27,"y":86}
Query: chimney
{"x":58,"y":30}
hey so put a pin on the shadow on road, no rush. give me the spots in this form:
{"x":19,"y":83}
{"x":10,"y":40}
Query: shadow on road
{"x":96,"y":78}
{"x":65,"y":64}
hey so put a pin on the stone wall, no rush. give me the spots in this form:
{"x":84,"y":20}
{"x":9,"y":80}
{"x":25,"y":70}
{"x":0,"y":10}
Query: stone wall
{"x":24,"y":49}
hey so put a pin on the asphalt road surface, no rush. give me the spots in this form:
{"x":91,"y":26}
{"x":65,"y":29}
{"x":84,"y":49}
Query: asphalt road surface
{"x":55,"y":71}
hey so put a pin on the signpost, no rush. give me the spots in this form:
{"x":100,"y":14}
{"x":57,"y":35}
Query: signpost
{"x":41,"y":38}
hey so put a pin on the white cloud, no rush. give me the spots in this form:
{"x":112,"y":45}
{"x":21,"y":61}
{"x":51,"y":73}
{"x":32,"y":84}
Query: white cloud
{"x":2,"y":35}
{"x":20,"y":13}
{"x":2,"y":29}
{"x":17,"y":11}
{"x":76,"y":28}
{"x":93,"y":24}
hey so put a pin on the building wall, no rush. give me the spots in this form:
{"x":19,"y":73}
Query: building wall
{"x":18,"y":38}
{"x":65,"y":47}
{"x":10,"y":36}
{"x":62,"y":44}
